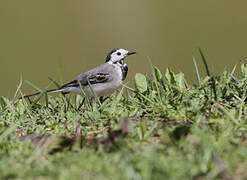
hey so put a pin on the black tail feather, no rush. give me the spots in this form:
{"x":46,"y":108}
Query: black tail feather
{"x":38,"y":93}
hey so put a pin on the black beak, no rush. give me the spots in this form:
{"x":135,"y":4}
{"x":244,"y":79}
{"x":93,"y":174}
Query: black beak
{"x":131,"y":52}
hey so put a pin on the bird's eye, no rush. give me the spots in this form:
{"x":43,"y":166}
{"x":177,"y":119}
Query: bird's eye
{"x":118,"y":53}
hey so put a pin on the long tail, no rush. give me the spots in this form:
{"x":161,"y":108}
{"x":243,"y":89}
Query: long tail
{"x":48,"y":91}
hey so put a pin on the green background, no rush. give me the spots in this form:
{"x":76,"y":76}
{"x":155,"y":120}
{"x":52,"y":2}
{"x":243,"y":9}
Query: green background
{"x":60,"y":39}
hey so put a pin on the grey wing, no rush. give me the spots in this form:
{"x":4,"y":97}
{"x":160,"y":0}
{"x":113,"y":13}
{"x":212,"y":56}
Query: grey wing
{"x":100,"y":74}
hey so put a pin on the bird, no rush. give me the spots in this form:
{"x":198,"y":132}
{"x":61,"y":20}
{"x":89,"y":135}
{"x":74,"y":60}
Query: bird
{"x":102,"y":80}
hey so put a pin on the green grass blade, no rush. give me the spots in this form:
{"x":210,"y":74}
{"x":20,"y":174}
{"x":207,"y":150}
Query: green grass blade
{"x":54,"y":82}
{"x":116,"y":101}
{"x":204,"y":62}
{"x":84,"y":94}
{"x":17,"y":90}
{"x":234,"y":68}
{"x":242,"y":103}
{"x":197,"y":71}
{"x":33,"y":86}
{"x":155,"y":78}
{"x":14,"y":98}
{"x":148,"y":99}
{"x":95,"y":96}
{"x":42,"y":92}
{"x":214,"y":88}
{"x":234,"y":77}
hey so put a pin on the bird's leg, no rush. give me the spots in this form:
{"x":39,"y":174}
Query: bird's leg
{"x":64,"y":93}
{"x":91,"y":101}
{"x":101,"y":99}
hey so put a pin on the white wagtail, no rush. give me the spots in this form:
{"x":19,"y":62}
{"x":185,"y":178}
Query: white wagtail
{"x":102,"y":80}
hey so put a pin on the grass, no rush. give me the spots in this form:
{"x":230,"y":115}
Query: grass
{"x":162,"y":129}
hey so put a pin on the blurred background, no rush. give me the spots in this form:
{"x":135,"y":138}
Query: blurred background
{"x":61,"y":39}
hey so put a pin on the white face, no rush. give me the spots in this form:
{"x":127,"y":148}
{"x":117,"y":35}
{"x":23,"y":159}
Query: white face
{"x":118,"y":55}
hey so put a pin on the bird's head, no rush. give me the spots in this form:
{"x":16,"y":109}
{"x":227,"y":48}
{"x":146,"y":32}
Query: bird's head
{"x":118,"y":55}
